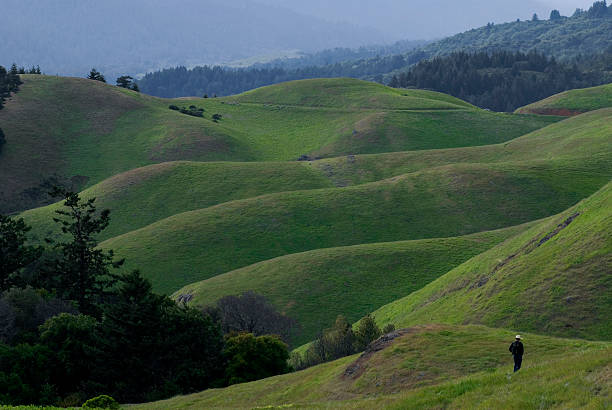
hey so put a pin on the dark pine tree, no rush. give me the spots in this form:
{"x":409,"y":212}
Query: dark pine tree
{"x":96,"y":75}
{"x":82,"y":272}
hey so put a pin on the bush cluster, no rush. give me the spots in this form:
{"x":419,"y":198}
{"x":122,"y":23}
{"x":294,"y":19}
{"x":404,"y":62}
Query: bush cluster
{"x":339,"y":341}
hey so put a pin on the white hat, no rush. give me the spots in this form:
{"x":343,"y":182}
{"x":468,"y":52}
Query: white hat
{"x":518,"y":336}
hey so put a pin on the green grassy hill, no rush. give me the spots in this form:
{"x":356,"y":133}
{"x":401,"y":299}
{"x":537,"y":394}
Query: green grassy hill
{"x":441,"y":202}
{"x":350,"y":281}
{"x":434,"y":366}
{"x":554,"y":278}
{"x":572,"y":102}
{"x":142,"y":196}
{"x":145,"y":195}
{"x":525,"y":179}
{"x":81,"y":132}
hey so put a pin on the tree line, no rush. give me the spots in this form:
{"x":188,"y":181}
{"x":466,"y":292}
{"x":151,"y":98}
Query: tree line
{"x":211,"y":80}
{"x":502,"y":80}
{"x":72,"y":327}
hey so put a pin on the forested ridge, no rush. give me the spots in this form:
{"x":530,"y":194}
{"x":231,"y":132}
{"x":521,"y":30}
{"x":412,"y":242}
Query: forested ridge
{"x":505,"y":81}
{"x":566,"y":39}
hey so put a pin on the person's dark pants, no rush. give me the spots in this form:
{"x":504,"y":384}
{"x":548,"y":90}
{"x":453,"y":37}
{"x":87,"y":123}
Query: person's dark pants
{"x":517,"y":362}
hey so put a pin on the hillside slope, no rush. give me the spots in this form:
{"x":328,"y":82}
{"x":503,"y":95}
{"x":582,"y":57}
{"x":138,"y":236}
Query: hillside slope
{"x":350,"y":281}
{"x":79,"y":132}
{"x":433,"y":366}
{"x":572,"y":102}
{"x":145,"y":195}
{"x":142,"y":196}
{"x":554,"y":279}
{"x":447,"y":201}
{"x":537,"y":176}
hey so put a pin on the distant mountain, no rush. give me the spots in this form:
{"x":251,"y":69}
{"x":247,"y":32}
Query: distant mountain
{"x":118,"y":37}
{"x":586,"y":32}
{"x":418,"y":18}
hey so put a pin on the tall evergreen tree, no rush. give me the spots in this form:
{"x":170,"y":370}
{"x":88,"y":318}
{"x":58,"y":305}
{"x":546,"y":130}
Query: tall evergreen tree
{"x":81,"y":272}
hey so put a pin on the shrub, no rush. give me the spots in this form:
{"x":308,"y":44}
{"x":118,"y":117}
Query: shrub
{"x":390,"y":327}
{"x":101,"y":402}
{"x":366,"y":333}
{"x":252,"y":358}
{"x":174,"y":107}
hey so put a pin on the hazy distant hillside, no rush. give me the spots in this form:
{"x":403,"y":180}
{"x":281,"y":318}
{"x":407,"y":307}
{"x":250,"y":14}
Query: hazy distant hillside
{"x":71,"y":36}
{"x":419,"y":18}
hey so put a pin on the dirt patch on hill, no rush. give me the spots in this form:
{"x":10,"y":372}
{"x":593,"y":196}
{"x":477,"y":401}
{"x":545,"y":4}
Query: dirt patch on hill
{"x":358,"y":367}
{"x":562,"y":112}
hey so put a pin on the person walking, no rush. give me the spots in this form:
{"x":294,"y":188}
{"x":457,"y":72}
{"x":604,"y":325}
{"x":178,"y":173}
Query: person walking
{"x":517,"y":350}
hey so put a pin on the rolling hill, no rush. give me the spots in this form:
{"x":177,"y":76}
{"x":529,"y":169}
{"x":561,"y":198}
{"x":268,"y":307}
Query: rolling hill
{"x":572,"y":102}
{"x":79,"y":132}
{"x":440,"y":217}
{"x":350,"y":281}
{"x":145,"y":195}
{"x":471,"y":194}
{"x":447,"y":201}
{"x":433,"y":366}
{"x":554,"y":278}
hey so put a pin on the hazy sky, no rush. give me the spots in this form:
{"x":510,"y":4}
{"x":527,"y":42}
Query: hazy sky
{"x":400,"y":19}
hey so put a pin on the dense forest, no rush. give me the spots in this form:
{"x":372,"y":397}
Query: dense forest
{"x":206,"y":80}
{"x":504,"y":81}
{"x":587,"y":32}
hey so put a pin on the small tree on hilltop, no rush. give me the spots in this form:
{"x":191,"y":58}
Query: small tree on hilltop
{"x":126,"y":81}
{"x":535,"y":17}
{"x":555,"y":15}
{"x":96,"y":76}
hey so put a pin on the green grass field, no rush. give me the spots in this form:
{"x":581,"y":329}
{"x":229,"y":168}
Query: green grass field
{"x":561,"y":287}
{"x":572,"y":102}
{"x":351,"y":281}
{"x":435,"y":366}
{"x":442,"y":202}
{"x":90,"y":131}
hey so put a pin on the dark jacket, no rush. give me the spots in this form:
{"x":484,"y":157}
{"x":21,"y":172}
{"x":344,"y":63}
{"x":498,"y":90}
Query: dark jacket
{"x":516,"y":348}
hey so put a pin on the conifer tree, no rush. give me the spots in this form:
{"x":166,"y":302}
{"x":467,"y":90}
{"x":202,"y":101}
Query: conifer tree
{"x":81,"y":273}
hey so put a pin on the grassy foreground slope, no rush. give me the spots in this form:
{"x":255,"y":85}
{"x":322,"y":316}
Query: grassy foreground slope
{"x":84,"y":131}
{"x":142,"y":196}
{"x":434,"y":366}
{"x":351,"y":281}
{"x":441,"y":202}
{"x":554,"y":278}
{"x":572,"y":102}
